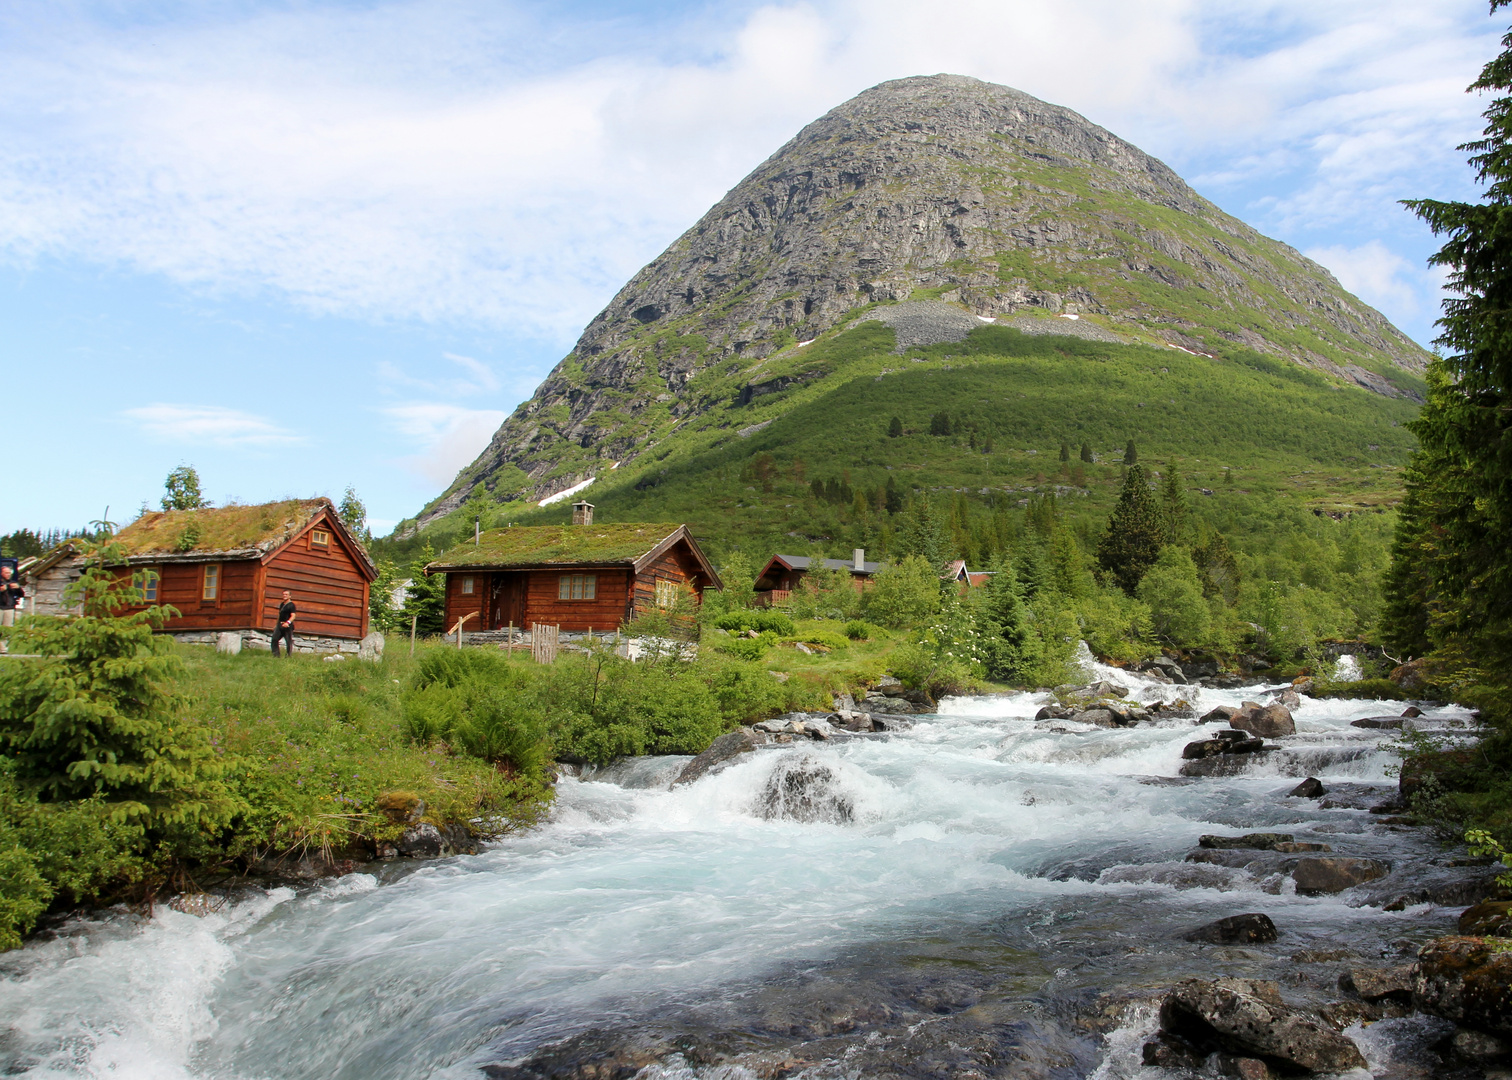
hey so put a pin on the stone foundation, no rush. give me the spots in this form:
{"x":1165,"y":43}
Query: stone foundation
{"x":262,"y":639}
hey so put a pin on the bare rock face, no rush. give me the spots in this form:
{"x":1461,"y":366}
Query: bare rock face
{"x":1247,"y":1018}
{"x":997,"y":203}
{"x":1252,"y":929}
{"x":1467,"y":980}
{"x":722,"y":750}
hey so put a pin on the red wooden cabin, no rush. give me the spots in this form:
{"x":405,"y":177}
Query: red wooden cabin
{"x":783,"y":573}
{"x":579,"y":577}
{"x":227,"y":568}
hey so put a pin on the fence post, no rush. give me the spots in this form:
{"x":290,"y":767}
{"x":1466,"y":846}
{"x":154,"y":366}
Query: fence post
{"x":414,"y":622}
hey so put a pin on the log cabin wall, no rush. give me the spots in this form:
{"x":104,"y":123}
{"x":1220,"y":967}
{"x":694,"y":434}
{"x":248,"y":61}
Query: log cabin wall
{"x":460,"y":603}
{"x":328,"y":586}
{"x":182,"y":586}
{"x":677,"y":565}
{"x":606,"y":611}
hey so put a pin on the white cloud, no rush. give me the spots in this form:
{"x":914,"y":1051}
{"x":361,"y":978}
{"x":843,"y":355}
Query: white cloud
{"x":468,"y":162}
{"x":1378,"y":276}
{"x":209,"y":425}
{"x":448,"y":436}
{"x":479,"y":378}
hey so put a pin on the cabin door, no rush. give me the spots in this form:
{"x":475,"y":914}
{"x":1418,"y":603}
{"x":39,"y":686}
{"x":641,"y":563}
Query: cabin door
{"x":507,"y":604}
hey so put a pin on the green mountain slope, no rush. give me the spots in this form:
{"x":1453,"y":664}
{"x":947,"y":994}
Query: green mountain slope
{"x":994,"y":205}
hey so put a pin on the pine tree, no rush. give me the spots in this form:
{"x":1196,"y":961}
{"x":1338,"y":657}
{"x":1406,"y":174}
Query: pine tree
{"x":1131,"y":453}
{"x":182,"y":490}
{"x":1086,"y":452}
{"x":939,"y":424}
{"x":426,"y":602}
{"x":924,"y":533}
{"x":1217,"y":569}
{"x":1134,"y":535}
{"x":894,"y":428}
{"x":1065,"y":453}
{"x":893,"y":497}
{"x":1009,"y":635}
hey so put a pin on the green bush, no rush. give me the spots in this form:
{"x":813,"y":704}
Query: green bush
{"x":828,"y":638}
{"x":746,"y":648}
{"x":906,"y":593}
{"x":859,"y":630}
{"x":479,"y":703}
{"x":762,"y":621}
{"x":1370,"y":689}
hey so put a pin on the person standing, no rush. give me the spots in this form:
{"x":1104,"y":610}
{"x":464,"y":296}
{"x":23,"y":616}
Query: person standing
{"x":285,"y":630}
{"x":11,"y":594}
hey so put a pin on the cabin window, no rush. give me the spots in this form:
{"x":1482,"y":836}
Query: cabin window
{"x":320,"y":538}
{"x":577,"y":586}
{"x":666,"y":594}
{"x":467,"y":586}
{"x":211,"y":590}
{"x":150,"y":580}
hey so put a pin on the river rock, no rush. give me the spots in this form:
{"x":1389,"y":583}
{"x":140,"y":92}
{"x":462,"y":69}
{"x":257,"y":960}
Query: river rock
{"x":1376,"y":984}
{"x":1288,"y":698}
{"x":1293,"y":847}
{"x":1219,"y":715}
{"x":1385,"y":723}
{"x":1106,"y":718}
{"x":1315,"y":877}
{"x":1477,"y":1046}
{"x":1489,"y":918}
{"x":1311,"y":788}
{"x":422,"y":841}
{"x":1467,"y":980}
{"x":1260,"y":841}
{"x":1226,"y":764}
{"x":1103,"y":689}
{"x":1247,"y":1018}
{"x":723,"y":749}
{"x":1265,"y":721}
{"x":1412,"y":712}
{"x":1411,"y":676}
{"x":401,"y":807}
{"x":1254,"y":929}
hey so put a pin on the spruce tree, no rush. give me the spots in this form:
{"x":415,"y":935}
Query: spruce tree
{"x":894,"y":428}
{"x":1134,"y":535}
{"x":1131,"y":453}
{"x":893,"y":497}
{"x":1451,"y":581}
{"x":1010,"y":641}
{"x":1173,"y":506}
{"x":1065,"y":454}
{"x":1086,"y":452}
{"x":924,"y":533}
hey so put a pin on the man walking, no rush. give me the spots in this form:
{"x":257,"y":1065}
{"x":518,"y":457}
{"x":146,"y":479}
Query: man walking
{"x":285,"y":628}
{"x":10,"y":595}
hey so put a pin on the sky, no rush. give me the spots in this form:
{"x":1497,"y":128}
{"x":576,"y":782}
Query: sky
{"x":308,"y":245}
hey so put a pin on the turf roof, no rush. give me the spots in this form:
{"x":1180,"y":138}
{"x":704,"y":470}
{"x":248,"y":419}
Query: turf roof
{"x":557,"y":545}
{"x":222,"y":529}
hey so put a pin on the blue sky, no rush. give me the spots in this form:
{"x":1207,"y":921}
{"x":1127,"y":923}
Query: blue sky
{"x":306,"y":245}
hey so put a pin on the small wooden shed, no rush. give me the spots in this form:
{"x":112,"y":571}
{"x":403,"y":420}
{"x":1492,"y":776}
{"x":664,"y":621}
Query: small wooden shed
{"x":578,"y":577}
{"x":226,"y":569}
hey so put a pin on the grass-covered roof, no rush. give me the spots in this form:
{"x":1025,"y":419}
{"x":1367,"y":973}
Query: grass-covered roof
{"x":220,"y":530}
{"x":557,"y":545}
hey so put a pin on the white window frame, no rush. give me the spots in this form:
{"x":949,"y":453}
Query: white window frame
{"x":467,"y":585}
{"x":666,"y":593}
{"x":577,"y":587}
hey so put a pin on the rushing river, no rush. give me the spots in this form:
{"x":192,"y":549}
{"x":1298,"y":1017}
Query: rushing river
{"x":982,"y":867}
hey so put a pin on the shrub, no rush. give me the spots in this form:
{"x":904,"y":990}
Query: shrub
{"x":747,"y":648}
{"x":827,"y":638}
{"x":762,"y":621}
{"x":1178,"y":611}
{"x":1370,"y":689}
{"x":906,"y":593}
{"x":859,"y":630}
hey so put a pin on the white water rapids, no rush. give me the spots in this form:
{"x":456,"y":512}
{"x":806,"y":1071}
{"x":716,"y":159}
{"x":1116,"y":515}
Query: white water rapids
{"x":635,"y":899}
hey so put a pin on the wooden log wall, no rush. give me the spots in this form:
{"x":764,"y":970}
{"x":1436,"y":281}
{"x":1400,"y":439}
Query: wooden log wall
{"x":676,"y":565}
{"x":459,"y":603}
{"x":328,"y":587}
{"x":606,"y":611}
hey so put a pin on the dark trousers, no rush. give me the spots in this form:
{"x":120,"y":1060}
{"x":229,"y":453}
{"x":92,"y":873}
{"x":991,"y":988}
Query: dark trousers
{"x":287,"y":633}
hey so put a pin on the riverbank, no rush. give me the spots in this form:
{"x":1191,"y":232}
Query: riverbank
{"x":982,"y":893}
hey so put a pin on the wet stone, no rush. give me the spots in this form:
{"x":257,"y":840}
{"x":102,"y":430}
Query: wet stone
{"x":1311,"y":788}
{"x":1251,"y":929}
{"x":1315,"y":877}
{"x":1384,"y":723}
{"x":1261,"y":841}
{"x":1489,"y":918}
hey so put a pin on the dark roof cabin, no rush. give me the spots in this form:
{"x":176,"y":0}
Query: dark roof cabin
{"x":226,"y":569}
{"x":578,"y":577}
{"x":782,"y":574}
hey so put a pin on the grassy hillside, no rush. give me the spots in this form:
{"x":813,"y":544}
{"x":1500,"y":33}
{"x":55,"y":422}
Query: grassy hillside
{"x":1255,"y":440}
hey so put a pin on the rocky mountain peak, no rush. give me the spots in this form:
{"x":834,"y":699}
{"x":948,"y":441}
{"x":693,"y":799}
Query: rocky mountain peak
{"x":936,"y":188}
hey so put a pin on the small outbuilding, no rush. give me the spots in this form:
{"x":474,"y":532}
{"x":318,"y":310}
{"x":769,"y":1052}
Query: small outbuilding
{"x":225,"y":569}
{"x":578,"y":577}
{"x":783,"y":573}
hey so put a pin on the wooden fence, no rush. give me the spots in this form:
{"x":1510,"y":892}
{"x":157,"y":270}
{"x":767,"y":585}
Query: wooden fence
{"x":543,"y":643}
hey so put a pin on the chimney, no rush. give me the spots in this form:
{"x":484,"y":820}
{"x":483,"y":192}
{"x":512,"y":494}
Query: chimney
{"x":860,"y":557}
{"x":582,"y":513}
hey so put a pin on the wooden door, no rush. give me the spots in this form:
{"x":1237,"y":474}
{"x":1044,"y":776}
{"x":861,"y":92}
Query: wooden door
{"x":508,"y":600}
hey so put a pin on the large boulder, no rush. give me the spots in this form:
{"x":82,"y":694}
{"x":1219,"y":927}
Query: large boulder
{"x":370,"y":648}
{"x":1248,"y":1018}
{"x":1253,"y":929}
{"x":1489,"y":918}
{"x":1467,"y":980}
{"x":1264,"y":721}
{"x":1101,"y":717}
{"x":1314,"y":877}
{"x":1379,"y":984}
{"x":721,"y":750}
{"x":1311,"y":788}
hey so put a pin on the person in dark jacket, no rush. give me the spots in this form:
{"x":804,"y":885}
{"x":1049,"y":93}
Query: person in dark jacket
{"x":285,"y":629}
{"x":11,"y":594}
